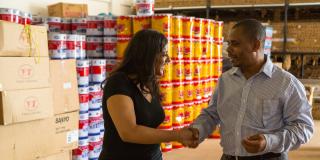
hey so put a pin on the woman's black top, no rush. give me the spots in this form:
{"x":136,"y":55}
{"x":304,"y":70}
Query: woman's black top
{"x":147,"y":114}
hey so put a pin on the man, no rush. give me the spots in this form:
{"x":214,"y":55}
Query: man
{"x":262,"y":110}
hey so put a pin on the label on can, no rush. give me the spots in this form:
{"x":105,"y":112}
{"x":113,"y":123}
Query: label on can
{"x":71,"y":46}
{"x":81,"y":153}
{"x":177,"y":49}
{"x":141,"y":23}
{"x":95,"y":96}
{"x":95,"y":26}
{"x":177,"y":93}
{"x":178,"y":115}
{"x":145,"y":9}
{"x":162,"y":23}
{"x":187,"y":25}
{"x":167,"y":74}
{"x":188,"y":68}
{"x":188,"y":91}
{"x":66,"y":25}
{"x":166,"y":93}
{"x":110,"y":23}
{"x":95,"y":149}
{"x":121,"y":46}
{"x":177,"y":26}
{"x":124,"y":26}
{"x":81,"y":47}
{"x":178,"y":69}
{"x":188,"y":113}
{"x":54,"y":24}
{"x":79,"y":26}
{"x":110,"y":65}
{"x":83,"y":72}
{"x":110,"y":47}
{"x":57,"y":46}
{"x":94,"y":47}
{"x":98,"y":70}
{"x":167,"y":122}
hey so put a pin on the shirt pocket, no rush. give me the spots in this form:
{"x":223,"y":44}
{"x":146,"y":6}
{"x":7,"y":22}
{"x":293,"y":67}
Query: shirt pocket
{"x":272,"y":114}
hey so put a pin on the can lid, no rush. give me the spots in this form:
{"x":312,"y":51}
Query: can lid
{"x":79,"y":20}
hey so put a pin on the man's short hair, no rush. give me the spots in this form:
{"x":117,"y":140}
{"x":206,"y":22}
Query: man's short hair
{"x":252,"y":28}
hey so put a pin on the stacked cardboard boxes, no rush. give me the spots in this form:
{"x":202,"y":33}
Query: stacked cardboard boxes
{"x":302,"y":37}
{"x":38,"y":97}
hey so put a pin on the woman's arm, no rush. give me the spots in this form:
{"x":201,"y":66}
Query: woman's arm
{"x":121,"y":110}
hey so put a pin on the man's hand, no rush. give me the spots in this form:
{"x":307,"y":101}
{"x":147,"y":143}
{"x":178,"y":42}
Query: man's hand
{"x":189,"y":137}
{"x":254,"y":144}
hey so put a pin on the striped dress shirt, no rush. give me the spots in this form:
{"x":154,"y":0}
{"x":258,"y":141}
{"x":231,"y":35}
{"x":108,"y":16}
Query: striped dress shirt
{"x":272,"y":102}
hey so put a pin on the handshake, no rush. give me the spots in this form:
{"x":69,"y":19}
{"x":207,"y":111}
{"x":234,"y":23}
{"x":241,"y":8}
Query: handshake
{"x":189,"y":137}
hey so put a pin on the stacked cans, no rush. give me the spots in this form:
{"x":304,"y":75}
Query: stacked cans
{"x":67,"y":46}
{"x":91,"y":73}
{"x":188,"y":81}
{"x":94,"y":34}
{"x":144,"y":7}
{"x":124,"y":34}
{"x":15,"y":16}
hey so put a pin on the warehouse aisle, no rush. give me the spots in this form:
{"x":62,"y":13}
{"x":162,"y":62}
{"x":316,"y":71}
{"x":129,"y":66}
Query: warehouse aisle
{"x":211,"y":150}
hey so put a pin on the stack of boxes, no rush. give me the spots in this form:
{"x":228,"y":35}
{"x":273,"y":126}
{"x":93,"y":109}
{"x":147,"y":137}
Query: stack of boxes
{"x":38,"y":101}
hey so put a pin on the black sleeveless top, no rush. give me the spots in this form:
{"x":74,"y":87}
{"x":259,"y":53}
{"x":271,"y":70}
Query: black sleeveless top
{"x":147,"y":114}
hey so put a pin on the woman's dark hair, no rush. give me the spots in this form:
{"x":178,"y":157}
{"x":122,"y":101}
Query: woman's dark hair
{"x":140,"y":58}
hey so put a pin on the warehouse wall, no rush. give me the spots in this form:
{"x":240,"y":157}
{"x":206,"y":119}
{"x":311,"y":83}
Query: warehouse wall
{"x":39,"y":7}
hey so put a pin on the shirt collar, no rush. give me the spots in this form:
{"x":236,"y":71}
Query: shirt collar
{"x":266,"y":69}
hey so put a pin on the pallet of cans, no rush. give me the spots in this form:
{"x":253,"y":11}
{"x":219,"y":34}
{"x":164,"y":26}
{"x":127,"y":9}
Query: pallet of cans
{"x":15,"y":16}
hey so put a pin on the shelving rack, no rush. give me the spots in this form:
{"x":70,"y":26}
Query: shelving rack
{"x":285,"y":6}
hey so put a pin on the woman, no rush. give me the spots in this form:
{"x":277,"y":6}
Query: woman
{"x":131,"y":103}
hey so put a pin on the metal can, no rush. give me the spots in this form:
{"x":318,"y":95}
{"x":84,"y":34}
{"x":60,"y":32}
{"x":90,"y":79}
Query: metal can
{"x":197,"y":109}
{"x":218,"y":31}
{"x":197,"y":49}
{"x":110,"y":47}
{"x":212,"y":24}
{"x":207,"y":90}
{"x":177,"y":27}
{"x":197,"y":29}
{"x":121,"y":47}
{"x":188,"y":49}
{"x":205,"y":64}
{"x":205,"y":44}
{"x":187,"y":25}
{"x":166,"y":93}
{"x":54,"y":24}
{"x":124,"y":26}
{"x":66,"y":25}
{"x":95,"y":26}
{"x":188,"y":91}
{"x":110,"y":24}
{"x":84,"y":98}
{"x":83,"y":72}
{"x":95,"y":118}
{"x":188,"y":113}
{"x":94,"y":47}
{"x":177,"y":72}
{"x":197,"y":70}
{"x":95,"y":146}
{"x":178,"y":115}
{"x":204,"y":103}
{"x":110,"y":65}
{"x":167,"y":74}
{"x":79,"y":26}
{"x":37,"y":20}
{"x":178,"y":93}
{"x":71,"y":46}
{"x":82,"y":152}
{"x":26,"y":18}
{"x":84,"y":124}
{"x":188,"y":69}
{"x":177,"y":49}
{"x":197,"y":88}
{"x":81,"y":47}
{"x":217,"y":49}
{"x":167,"y":122}
{"x":205,"y":31}
{"x":97,"y":70}
{"x":144,"y":7}
{"x":7,"y":14}
{"x":95,"y":97}
{"x":57,"y":45}
{"x":141,"y":23}
{"x":162,"y":23}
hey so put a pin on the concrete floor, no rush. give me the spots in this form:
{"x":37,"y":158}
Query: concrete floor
{"x":211,"y":150}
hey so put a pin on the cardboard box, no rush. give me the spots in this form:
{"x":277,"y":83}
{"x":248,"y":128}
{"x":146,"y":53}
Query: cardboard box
{"x":15,"y":41}
{"x":59,"y":156}
{"x":68,"y":10}
{"x":40,"y":138}
{"x":25,"y":105}
{"x":24,"y":73}
{"x":65,"y":87}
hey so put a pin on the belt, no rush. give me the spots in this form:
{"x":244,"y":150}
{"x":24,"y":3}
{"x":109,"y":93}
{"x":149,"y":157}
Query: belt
{"x":257,"y":157}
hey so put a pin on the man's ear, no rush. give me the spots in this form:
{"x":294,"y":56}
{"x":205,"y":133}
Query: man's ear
{"x":256,"y":45}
